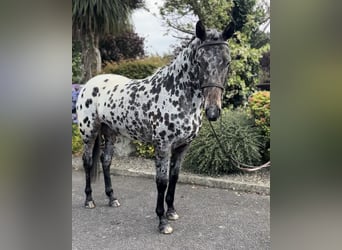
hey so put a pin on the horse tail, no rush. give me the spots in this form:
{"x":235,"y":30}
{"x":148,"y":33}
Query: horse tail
{"x":94,"y":173}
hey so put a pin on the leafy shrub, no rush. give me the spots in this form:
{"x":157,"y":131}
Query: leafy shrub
{"x":77,"y":69}
{"x":77,"y":143}
{"x":137,"y":69}
{"x":259,"y":107}
{"x":77,"y":66}
{"x":144,"y":150}
{"x":237,"y":135}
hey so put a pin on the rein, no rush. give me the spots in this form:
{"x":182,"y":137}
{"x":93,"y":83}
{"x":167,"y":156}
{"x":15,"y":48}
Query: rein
{"x":245,"y":167}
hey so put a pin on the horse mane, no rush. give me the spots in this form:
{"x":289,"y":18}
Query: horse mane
{"x":211,"y":34}
{"x":180,"y":49}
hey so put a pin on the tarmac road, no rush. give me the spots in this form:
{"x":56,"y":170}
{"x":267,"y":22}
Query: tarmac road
{"x":210,"y":218}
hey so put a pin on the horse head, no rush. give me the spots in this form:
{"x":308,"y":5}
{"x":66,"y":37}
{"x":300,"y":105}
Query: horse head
{"x":212,"y":59}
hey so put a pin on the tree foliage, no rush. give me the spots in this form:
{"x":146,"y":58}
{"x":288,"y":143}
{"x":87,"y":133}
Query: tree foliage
{"x":77,"y":68}
{"x":180,"y":15}
{"x":93,"y":19}
{"x":127,"y":45}
{"x":265,"y":62}
{"x":246,"y":47}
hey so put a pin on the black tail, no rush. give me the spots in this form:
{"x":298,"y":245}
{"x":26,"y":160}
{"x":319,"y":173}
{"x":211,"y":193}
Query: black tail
{"x":94,"y":173}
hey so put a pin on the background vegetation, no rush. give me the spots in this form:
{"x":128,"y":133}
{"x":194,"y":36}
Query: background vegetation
{"x":239,"y":137}
{"x":93,"y":20}
{"x":137,"y":69}
{"x":77,"y":143}
{"x":259,"y":107}
{"x":247,"y":45}
{"x":125,"y":45}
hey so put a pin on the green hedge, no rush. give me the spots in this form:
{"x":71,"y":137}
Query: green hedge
{"x":237,"y":134}
{"x":137,"y":69}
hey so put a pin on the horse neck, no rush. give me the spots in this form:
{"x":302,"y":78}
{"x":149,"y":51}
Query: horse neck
{"x":180,"y":79}
{"x":183,"y":70}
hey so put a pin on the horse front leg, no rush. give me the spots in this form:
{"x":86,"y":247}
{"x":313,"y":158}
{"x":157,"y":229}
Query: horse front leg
{"x":176,"y":161}
{"x":162,"y":165}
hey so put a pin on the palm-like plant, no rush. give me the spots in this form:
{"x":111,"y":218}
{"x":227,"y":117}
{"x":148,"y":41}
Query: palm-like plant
{"x":92,"y":19}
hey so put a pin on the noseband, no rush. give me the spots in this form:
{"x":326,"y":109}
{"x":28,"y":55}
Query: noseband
{"x":211,"y":43}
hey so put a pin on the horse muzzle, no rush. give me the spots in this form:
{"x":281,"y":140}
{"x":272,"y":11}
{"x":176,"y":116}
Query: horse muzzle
{"x":212,"y":113}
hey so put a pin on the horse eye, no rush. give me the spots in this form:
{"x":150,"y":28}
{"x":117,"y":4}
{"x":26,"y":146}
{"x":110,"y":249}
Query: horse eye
{"x":225,"y":63}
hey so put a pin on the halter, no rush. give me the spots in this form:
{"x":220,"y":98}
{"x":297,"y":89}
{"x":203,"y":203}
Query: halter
{"x":211,"y":43}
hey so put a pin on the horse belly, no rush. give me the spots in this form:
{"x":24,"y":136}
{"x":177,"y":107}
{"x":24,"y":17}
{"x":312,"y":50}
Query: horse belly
{"x":126,"y":120}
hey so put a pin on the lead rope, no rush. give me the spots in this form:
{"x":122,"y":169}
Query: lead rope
{"x":245,"y":167}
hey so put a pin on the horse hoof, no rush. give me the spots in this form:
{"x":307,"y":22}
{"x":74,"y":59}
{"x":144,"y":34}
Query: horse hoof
{"x":165,"y":229}
{"x":90,"y":204}
{"x":114,"y":203}
{"x":172,"y":216}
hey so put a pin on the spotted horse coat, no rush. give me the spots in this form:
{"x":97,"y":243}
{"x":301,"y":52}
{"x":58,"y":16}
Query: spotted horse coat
{"x":163,"y":109}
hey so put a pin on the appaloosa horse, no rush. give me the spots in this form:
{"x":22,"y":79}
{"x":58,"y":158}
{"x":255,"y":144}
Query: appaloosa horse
{"x":163,"y":109}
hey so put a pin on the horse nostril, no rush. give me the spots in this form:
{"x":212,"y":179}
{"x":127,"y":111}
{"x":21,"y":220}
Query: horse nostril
{"x":212,"y":113}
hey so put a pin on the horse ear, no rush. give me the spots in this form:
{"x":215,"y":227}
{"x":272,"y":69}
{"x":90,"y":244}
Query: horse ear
{"x":200,"y":31}
{"x":228,"y":31}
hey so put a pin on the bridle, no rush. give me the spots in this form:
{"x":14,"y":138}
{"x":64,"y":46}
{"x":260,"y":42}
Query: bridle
{"x":211,"y":43}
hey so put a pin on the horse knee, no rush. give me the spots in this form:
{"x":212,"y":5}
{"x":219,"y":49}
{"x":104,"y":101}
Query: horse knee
{"x":174,"y":172}
{"x":106,"y":160}
{"x":162,"y":182}
{"x":87,"y":160}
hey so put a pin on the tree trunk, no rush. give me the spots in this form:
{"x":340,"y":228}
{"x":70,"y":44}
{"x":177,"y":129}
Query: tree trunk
{"x":91,"y":56}
{"x":97,"y":54}
{"x":86,"y":58}
{"x":90,"y":53}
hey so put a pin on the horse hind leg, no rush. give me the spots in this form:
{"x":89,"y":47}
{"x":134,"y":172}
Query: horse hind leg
{"x":106,"y":159}
{"x":89,"y":163}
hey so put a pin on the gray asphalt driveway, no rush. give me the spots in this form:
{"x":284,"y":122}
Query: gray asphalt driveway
{"x":210,"y":218}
